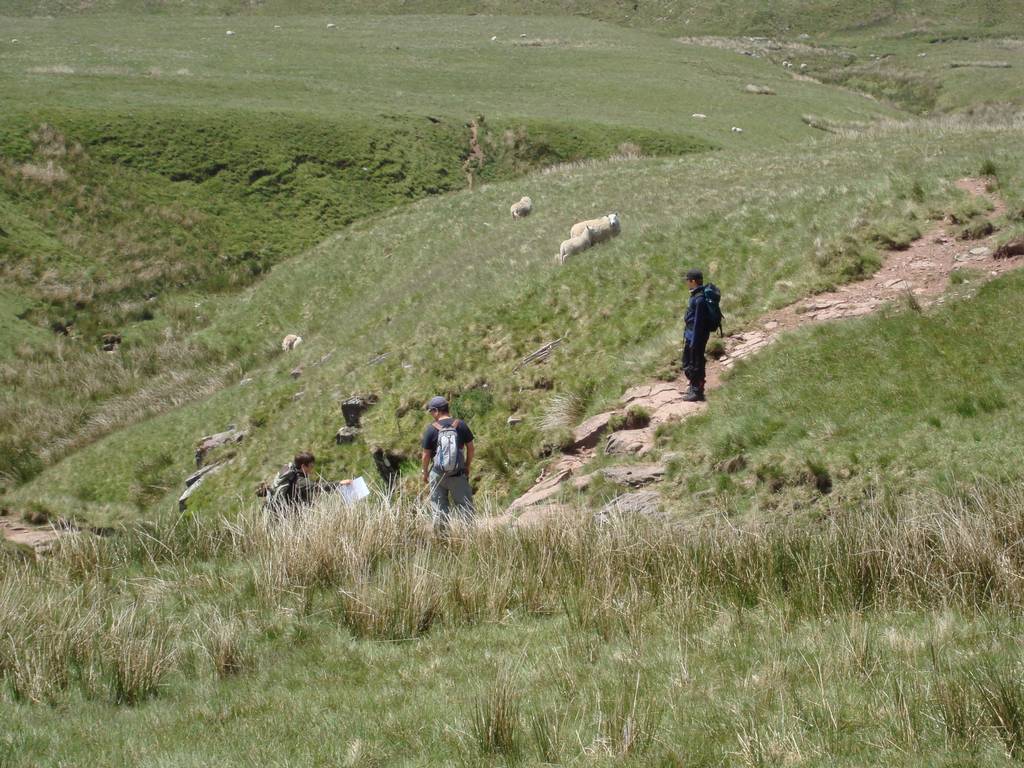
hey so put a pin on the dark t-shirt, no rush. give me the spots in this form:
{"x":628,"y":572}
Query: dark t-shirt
{"x":463,"y":435}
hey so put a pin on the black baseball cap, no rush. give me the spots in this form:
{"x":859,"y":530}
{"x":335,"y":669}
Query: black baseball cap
{"x":695,"y":274}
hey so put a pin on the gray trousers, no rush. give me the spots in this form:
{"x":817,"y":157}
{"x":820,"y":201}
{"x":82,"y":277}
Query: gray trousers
{"x":449,"y":492}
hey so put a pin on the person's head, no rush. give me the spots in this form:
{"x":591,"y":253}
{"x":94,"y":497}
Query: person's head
{"x":304,"y":462}
{"x":437,"y":407}
{"x":694,"y":278}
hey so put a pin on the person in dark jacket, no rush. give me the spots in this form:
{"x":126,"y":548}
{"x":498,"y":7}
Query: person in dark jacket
{"x":695,"y":337}
{"x":295,"y":486}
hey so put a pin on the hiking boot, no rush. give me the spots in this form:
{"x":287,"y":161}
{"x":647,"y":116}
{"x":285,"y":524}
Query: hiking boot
{"x":694,"y":395}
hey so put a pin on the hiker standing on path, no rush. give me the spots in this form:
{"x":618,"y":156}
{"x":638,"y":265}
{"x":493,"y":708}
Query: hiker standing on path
{"x":295,"y":487}
{"x":695,"y":336}
{"x":445,"y":468}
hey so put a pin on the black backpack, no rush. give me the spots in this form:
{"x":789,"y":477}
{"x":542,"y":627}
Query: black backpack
{"x":281,"y":489}
{"x":713,"y":302}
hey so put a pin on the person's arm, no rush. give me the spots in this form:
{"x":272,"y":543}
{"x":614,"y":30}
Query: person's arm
{"x":470,"y":450}
{"x":700,"y":320}
{"x":425,"y":461}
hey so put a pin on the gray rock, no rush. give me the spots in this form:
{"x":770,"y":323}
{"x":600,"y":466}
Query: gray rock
{"x":296,"y":372}
{"x":346,"y":435}
{"x":634,"y":503}
{"x":630,"y":441}
{"x":192,"y":483}
{"x":587,"y":434}
{"x":634,"y":475}
{"x":354,"y":408}
{"x":980,"y":251}
{"x":208,"y":443}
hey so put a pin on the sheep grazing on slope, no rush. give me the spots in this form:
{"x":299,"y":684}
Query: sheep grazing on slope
{"x":604,"y":228}
{"x":522,"y":208}
{"x":578,"y":243}
{"x":290,"y":342}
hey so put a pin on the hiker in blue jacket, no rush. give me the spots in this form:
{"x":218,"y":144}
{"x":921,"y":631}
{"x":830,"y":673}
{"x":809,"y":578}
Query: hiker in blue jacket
{"x":695,"y":337}
{"x":447,"y":457}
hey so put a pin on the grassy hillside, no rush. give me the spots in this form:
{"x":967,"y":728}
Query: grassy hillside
{"x":768,"y":226}
{"x":134,"y":188}
{"x":671,"y":16}
{"x":564,"y":70}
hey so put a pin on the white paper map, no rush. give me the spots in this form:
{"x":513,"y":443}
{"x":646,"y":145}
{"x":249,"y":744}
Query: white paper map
{"x":354,"y":491}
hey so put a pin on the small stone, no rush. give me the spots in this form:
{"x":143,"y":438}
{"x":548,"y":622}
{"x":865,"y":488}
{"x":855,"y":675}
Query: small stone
{"x":298,"y":396}
{"x":296,"y":372}
{"x":980,"y":251}
{"x":247,"y":380}
{"x":771,"y":325}
{"x":513,"y":420}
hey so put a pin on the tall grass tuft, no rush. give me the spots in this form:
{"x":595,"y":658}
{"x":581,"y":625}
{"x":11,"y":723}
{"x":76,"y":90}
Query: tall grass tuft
{"x":138,"y":651}
{"x":1002,"y":694}
{"x":629,"y":726}
{"x":496,"y":719}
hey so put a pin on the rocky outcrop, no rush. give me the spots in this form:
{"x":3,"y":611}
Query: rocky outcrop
{"x":1012,"y":248}
{"x":588,"y":434}
{"x":634,"y":503}
{"x":210,"y":442}
{"x":346,"y":435}
{"x":634,"y":475}
{"x":354,"y":408}
{"x":193,"y":481}
{"x":110,"y":341}
{"x":630,"y":442}
{"x":663,"y":400}
{"x":388,"y":465}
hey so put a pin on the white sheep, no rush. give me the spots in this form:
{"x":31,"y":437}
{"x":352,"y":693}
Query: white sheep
{"x":332,"y":25}
{"x":290,"y":342}
{"x":698,"y":115}
{"x":229,"y":33}
{"x":737,"y":130}
{"x":604,"y":228}
{"x":575,"y":244}
{"x":522,"y":208}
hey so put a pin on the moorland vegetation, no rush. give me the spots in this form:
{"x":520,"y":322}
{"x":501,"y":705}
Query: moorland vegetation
{"x":203,"y":194}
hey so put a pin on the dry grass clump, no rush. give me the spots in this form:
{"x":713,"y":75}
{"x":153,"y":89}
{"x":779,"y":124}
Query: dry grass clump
{"x":105,"y":615}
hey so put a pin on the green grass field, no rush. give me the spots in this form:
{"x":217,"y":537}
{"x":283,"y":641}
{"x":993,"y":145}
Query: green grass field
{"x":204,"y":194}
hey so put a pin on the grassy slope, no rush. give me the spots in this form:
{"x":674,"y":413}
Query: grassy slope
{"x":281,"y":144}
{"x":565,"y":69}
{"x":763,"y":224}
{"x":671,"y":16}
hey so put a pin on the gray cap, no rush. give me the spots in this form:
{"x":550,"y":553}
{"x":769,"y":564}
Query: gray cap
{"x":437,"y":402}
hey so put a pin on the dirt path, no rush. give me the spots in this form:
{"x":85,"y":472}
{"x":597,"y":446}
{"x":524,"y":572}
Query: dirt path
{"x":38,"y":537}
{"x":921,"y":271}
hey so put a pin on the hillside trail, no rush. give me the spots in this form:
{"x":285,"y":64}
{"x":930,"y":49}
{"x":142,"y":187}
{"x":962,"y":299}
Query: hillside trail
{"x":919,"y":273}
{"x":39,"y":538}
